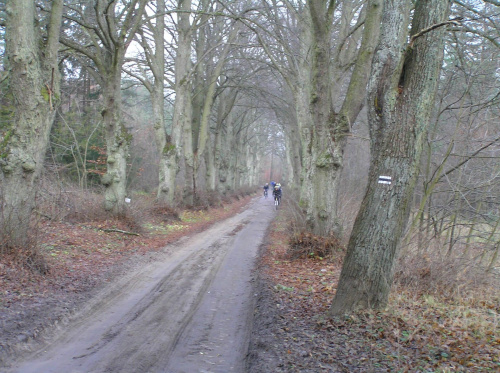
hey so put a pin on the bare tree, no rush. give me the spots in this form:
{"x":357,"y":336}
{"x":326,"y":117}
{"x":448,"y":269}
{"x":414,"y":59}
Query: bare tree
{"x":34,"y":80}
{"x":102,"y":34}
{"x":152,"y":39}
{"x":458,"y":213}
{"x":401,"y":96}
{"x":332,"y":36}
{"x":324,"y":132}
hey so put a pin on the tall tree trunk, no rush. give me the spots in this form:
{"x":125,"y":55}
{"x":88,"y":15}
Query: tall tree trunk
{"x":117,"y":143}
{"x":211,"y":171}
{"x":294,"y":159}
{"x":213,"y":154}
{"x":110,"y":28}
{"x":183,"y":112}
{"x":203,"y":100}
{"x":226,"y":154}
{"x":323,"y":132}
{"x":401,"y":97}
{"x":34,"y":82}
{"x":166,"y":170}
{"x":226,"y":102}
{"x":321,"y":156}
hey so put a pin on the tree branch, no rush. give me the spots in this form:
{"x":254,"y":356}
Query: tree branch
{"x":455,"y":22}
{"x":469,"y":158}
{"x":108,"y":230}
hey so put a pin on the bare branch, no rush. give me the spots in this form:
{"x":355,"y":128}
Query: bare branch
{"x":455,"y":22}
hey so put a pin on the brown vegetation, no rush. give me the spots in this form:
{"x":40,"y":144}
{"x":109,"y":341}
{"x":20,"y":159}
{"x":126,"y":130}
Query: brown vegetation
{"x":305,"y":245}
{"x":429,"y":325}
{"x":442,"y":316}
{"x":75,"y":243}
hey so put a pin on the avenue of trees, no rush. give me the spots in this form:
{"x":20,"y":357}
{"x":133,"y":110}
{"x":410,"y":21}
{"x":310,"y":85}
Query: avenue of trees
{"x":189,"y":98}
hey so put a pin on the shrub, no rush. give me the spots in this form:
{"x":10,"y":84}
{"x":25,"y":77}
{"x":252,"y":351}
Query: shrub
{"x":447,"y":275}
{"x":306,"y":245}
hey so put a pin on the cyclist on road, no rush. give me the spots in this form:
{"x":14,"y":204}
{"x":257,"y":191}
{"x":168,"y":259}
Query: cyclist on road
{"x":277,"y":191}
{"x":266,"y":188}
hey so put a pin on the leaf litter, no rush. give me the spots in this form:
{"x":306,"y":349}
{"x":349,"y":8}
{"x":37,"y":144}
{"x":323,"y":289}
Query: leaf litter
{"x":40,"y":288}
{"x":416,"y":333}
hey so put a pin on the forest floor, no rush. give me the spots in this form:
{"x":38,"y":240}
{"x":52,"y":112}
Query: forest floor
{"x":291,"y":333}
{"x":418,"y":332}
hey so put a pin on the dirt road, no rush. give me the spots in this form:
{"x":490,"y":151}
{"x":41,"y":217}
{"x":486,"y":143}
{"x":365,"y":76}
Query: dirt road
{"x":188,"y":311}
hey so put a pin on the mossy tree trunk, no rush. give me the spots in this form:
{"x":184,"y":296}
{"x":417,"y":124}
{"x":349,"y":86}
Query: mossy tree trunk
{"x":323,"y":130}
{"x":166,"y":169}
{"x":183,"y":111}
{"x":33,"y":76}
{"x":203,"y":134}
{"x":225,"y":104}
{"x":117,"y":142}
{"x":401,"y":96}
{"x":210,"y":61}
{"x":166,"y":144}
{"x":109,"y":31}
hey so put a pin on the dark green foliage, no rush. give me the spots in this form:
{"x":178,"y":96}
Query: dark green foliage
{"x":77,"y":146}
{"x":6,"y":107}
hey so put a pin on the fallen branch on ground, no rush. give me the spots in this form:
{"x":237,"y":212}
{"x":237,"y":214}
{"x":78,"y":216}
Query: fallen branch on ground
{"x":119,"y":231}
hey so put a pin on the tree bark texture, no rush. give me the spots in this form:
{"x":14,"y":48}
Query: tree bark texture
{"x":323,"y":131}
{"x":183,"y":112}
{"x":225,"y":104}
{"x":320,"y":156}
{"x":117,"y":141}
{"x":225,"y":154}
{"x":109,"y":32}
{"x":166,"y":170}
{"x":34,"y":83}
{"x":110,"y":57}
{"x":400,"y":98}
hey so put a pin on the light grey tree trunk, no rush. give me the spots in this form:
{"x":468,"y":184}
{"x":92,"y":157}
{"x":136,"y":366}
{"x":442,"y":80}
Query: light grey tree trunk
{"x":294,"y":158}
{"x":117,"y":142}
{"x":323,"y":131}
{"x":226,"y":155}
{"x":166,"y":170}
{"x":322,"y":156}
{"x":110,"y":32}
{"x":213,"y":153}
{"x":183,"y":112}
{"x":234,"y":151}
{"x":226,"y":103}
{"x":34,"y":83}
{"x":401,"y":97}
{"x":203,"y":101}
{"x":215,"y":177}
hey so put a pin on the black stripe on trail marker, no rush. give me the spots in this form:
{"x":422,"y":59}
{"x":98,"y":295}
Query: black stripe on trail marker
{"x":384,"y":180}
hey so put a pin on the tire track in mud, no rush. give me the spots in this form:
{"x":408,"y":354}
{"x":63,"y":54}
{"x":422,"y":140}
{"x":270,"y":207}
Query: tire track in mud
{"x":153,"y":323}
{"x":158,"y":318}
{"x":217,"y":339}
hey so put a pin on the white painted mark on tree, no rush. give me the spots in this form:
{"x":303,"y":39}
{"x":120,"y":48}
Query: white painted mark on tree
{"x":384,"y":180}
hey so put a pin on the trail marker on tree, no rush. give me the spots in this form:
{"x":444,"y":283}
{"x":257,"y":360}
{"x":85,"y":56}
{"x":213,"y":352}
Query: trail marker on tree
{"x":385,"y":180}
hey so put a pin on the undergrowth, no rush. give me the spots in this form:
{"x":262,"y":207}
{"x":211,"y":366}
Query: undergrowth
{"x":443,"y":315}
{"x":305,"y":245}
{"x":74,"y":240}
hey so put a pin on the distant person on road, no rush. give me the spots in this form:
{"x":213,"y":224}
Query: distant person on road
{"x":277,"y":191}
{"x":266,"y":188}
{"x":273,"y":184}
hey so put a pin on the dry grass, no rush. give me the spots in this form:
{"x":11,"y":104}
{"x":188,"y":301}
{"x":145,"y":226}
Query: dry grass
{"x":443,"y":314}
{"x":306,"y":245}
{"x":72,"y":251}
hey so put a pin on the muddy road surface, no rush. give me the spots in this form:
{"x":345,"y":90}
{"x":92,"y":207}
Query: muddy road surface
{"x":188,"y":311}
